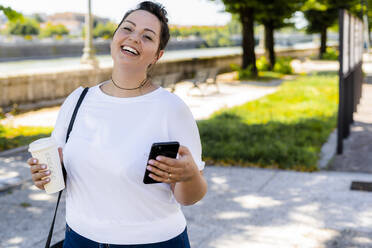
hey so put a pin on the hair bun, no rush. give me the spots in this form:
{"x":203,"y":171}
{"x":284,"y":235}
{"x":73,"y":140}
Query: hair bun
{"x":158,"y":8}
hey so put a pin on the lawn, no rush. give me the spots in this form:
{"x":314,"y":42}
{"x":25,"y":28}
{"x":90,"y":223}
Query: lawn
{"x":283,"y":130}
{"x":12,"y":137}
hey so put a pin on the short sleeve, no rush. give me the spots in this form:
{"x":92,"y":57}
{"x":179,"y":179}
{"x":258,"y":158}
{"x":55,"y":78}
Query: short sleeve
{"x":182,"y":127}
{"x":64,"y":116}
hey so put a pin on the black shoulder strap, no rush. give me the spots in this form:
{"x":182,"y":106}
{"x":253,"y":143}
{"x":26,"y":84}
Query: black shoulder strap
{"x":47,"y":245}
{"x":75,"y":112}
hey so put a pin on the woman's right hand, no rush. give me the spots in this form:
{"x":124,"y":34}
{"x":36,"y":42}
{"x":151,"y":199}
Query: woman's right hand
{"x":39,"y":171}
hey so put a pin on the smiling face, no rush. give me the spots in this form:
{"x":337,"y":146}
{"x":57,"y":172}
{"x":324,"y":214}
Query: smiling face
{"x":136,"y":41}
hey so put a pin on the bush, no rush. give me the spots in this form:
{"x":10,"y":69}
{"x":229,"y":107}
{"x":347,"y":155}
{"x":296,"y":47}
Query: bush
{"x":243,"y":73}
{"x":262,"y":64}
{"x":330,"y":54}
{"x":283,"y":65}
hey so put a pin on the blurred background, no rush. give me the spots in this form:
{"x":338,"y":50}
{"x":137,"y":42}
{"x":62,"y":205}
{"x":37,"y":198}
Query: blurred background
{"x":264,"y":83}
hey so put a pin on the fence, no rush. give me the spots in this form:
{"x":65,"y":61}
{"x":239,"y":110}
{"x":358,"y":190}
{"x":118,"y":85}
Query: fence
{"x":350,"y":73}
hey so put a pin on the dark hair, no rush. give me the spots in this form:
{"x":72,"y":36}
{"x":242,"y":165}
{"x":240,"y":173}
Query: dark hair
{"x":159,"y":11}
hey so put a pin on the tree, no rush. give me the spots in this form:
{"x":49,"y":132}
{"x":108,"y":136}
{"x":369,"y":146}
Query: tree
{"x":322,"y":14}
{"x":272,"y":14}
{"x":269,"y":12}
{"x":51,"y":30}
{"x":245,"y":9}
{"x":319,"y":22}
{"x":11,"y":14}
{"x":234,"y":26}
{"x":38,"y":18}
{"x":105,"y":31}
{"x":214,"y":36}
{"x":23,"y":27}
{"x":367,"y":11}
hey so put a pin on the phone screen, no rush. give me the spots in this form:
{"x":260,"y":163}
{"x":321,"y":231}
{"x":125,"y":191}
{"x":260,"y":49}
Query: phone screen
{"x":167,"y":149}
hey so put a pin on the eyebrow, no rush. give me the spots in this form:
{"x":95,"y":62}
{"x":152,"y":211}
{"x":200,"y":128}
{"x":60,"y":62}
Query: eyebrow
{"x":146,"y":29}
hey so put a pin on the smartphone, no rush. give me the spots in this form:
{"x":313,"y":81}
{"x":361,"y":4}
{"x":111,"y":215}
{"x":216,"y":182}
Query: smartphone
{"x":167,"y":149}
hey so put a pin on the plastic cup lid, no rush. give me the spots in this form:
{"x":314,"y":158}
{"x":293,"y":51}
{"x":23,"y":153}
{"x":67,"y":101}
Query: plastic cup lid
{"x":41,"y":144}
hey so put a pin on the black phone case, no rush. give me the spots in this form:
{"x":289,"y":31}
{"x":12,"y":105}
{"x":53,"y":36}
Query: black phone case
{"x":167,"y":149}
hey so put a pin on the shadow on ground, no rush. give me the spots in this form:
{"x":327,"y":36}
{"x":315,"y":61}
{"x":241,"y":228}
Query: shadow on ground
{"x":357,"y":155}
{"x":272,"y":209}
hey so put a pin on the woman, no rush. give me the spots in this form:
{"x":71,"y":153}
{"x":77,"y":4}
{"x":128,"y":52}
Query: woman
{"x":107,"y":203}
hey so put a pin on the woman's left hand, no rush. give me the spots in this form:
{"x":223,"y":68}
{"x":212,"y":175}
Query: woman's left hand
{"x":171,"y":170}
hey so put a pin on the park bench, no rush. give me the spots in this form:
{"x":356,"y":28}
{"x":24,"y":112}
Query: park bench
{"x":168,"y":80}
{"x":205,"y":76}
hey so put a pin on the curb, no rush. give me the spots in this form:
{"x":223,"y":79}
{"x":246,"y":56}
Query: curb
{"x":13,"y":151}
{"x":328,"y":151}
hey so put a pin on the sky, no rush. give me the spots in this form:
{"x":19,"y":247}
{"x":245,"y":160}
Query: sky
{"x":180,"y":12}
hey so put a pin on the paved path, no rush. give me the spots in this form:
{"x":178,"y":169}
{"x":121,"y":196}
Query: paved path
{"x":357,"y":155}
{"x":244,"y":207}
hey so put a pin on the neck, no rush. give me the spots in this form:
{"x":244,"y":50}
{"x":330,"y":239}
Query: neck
{"x":128,"y":79}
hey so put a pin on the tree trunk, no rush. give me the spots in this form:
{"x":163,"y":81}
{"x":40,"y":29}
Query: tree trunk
{"x":323,"y":42}
{"x":269,"y":44}
{"x":249,"y":57}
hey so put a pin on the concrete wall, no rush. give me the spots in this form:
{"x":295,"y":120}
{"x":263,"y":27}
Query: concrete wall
{"x":31,"y":91}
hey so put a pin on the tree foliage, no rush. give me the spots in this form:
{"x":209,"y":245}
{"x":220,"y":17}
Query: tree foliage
{"x":322,"y":14}
{"x":214,"y":36}
{"x":11,"y":14}
{"x":277,"y":11}
{"x":51,"y":30}
{"x":104,"y":30}
{"x":273,"y":15}
{"x":23,"y":27}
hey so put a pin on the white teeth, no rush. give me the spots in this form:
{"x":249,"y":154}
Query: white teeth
{"x":130,"y":49}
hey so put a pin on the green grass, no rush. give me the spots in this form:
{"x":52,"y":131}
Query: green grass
{"x":283,"y":130}
{"x":12,"y":137}
{"x":264,"y":76}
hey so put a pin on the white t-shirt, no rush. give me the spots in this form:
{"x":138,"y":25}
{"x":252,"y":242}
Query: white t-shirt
{"x":106,"y":158}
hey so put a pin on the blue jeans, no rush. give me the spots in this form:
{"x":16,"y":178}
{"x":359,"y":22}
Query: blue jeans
{"x":75,"y":240}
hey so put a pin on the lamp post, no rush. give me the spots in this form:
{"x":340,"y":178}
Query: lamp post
{"x":89,"y":53}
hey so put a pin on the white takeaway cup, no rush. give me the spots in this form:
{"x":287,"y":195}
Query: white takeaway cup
{"x":46,"y":151}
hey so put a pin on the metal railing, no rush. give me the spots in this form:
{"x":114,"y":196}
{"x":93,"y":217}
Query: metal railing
{"x":350,"y":73}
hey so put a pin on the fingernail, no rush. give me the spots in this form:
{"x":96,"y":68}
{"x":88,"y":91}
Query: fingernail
{"x":43,"y":166}
{"x":151,"y":162}
{"x":149,"y":168}
{"x":34,"y":160}
{"x":47,"y":179}
{"x":158,"y":158}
